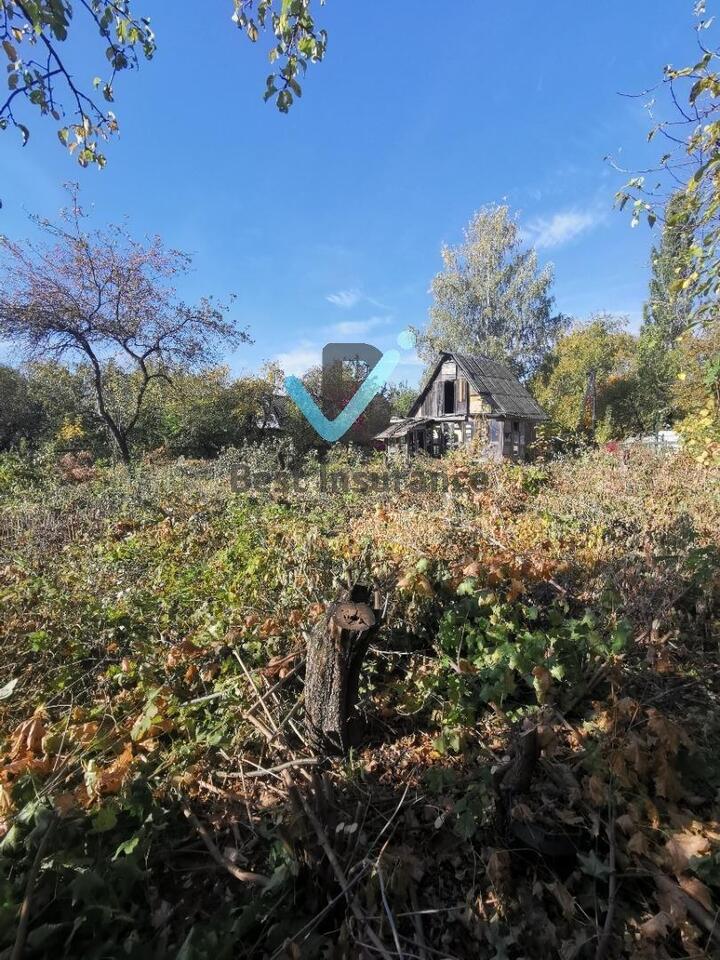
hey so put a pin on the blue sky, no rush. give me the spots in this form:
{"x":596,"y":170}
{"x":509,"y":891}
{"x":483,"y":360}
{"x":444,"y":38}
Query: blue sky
{"x":328,"y":223}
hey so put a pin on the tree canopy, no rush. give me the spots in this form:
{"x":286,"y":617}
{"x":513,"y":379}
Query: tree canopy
{"x":688,"y":168}
{"x":108,"y":300}
{"x":492,"y":298}
{"x":596,"y":357}
{"x":41,"y":74}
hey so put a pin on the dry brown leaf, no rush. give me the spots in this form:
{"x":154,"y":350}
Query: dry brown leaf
{"x":84,"y":733}
{"x":635,"y":752}
{"x":667,"y":784}
{"x":652,"y":814}
{"x":424,"y":587}
{"x":109,"y":780}
{"x":465,"y":666}
{"x":277,"y":665}
{"x":698,"y":891}
{"x":638,"y":844}
{"x":543,"y":682}
{"x":669,"y":734}
{"x":619,"y":769}
{"x":595,"y":790}
{"x":27,"y":764}
{"x":563,"y":897}
{"x":498,"y":867}
{"x":65,"y":803}
{"x":517,"y":588}
{"x":6,"y":801}
{"x":682,"y":847}
{"x":28,"y":736}
{"x":656,"y":927}
{"x":626,"y":823}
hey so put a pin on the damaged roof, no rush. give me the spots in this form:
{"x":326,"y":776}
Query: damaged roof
{"x":401,"y":428}
{"x":501,"y":385}
{"x":495,"y":382}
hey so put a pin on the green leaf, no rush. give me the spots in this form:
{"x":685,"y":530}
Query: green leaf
{"x":105,"y":819}
{"x":127,"y":847}
{"x":465,"y":825}
{"x":86,"y":887}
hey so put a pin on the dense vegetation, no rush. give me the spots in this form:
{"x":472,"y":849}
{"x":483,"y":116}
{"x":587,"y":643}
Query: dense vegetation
{"x":154,"y":631}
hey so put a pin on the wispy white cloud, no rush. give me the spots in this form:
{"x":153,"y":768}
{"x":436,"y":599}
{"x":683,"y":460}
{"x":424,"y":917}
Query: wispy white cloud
{"x":299,"y":359}
{"x":345,"y":299}
{"x":562,"y":227}
{"x":357,"y":328}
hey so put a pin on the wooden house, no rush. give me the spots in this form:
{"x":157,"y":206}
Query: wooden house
{"x":466,"y":397}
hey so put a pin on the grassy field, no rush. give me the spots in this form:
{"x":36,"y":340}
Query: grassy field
{"x":153,"y":632}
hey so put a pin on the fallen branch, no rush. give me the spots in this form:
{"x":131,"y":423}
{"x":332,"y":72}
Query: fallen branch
{"x":266,"y":771}
{"x":417,"y":923}
{"x":245,"y":875}
{"x":337,"y":870}
{"x":604,"y":942}
{"x":702,"y":917}
{"x":305,"y":931}
{"x":252,"y":683}
{"x":388,"y":911}
{"x":280,"y":683}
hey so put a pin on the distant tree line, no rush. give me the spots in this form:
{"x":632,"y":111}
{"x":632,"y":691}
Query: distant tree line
{"x":116,"y":363}
{"x":595,"y":378}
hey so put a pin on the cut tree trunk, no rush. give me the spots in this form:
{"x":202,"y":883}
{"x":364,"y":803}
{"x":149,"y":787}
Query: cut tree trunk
{"x":335,"y":654}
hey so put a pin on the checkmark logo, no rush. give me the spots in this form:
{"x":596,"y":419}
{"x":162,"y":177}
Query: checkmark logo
{"x":333,"y":430}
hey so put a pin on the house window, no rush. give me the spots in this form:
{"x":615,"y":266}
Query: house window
{"x":449,"y":397}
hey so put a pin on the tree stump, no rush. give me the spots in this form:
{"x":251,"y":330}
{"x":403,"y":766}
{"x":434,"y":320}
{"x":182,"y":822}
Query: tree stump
{"x":335,"y":654}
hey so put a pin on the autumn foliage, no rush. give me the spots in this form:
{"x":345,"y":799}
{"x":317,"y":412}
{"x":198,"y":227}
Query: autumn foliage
{"x":154,"y":629}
